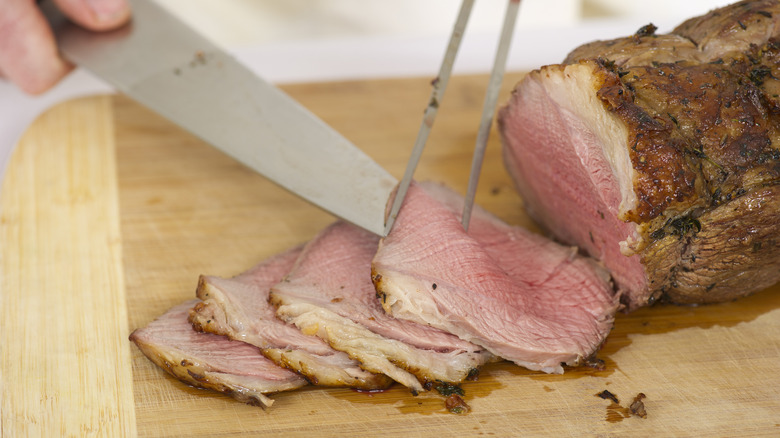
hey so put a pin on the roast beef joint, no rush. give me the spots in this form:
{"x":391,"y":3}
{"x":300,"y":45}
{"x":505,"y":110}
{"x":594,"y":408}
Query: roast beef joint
{"x":658,"y":155}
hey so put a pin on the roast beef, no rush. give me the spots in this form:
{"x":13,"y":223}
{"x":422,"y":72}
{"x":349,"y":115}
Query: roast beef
{"x":212,"y":361}
{"x":239,"y":308}
{"x":658,"y":155}
{"x":329,"y":293}
{"x":518,"y":294}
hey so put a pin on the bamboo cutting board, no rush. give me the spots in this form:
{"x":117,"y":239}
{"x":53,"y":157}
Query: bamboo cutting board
{"x":110,"y":213}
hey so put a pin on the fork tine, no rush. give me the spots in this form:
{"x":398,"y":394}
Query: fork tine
{"x":439,"y":85}
{"x":489,"y":107}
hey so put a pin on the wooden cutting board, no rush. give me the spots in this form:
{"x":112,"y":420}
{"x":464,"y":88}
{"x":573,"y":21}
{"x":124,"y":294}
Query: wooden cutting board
{"x":110,"y":213}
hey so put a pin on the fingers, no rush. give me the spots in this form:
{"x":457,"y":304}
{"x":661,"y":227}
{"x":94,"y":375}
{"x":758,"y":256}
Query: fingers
{"x":28,"y":53}
{"x":96,"y":14}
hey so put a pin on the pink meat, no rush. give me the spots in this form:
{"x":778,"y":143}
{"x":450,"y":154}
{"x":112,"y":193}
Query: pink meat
{"x":239,"y":308}
{"x":212,"y":361}
{"x":519,"y":295}
{"x":247,"y":312}
{"x":329,"y":291}
{"x":557,"y":161}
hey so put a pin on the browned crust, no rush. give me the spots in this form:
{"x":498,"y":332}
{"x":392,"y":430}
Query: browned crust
{"x":664,"y":175}
{"x":699,"y":134}
{"x":637,"y":49}
{"x":704,"y":267}
{"x":704,"y":146}
{"x":732,"y":27}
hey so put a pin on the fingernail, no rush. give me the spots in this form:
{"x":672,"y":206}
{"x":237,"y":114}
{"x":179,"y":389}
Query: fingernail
{"x":108,"y":10}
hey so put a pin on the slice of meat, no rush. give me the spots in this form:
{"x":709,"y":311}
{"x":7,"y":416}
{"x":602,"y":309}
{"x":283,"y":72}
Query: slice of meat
{"x":239,"y":308}
{"x":665,"y":170}
{"x":211,"y":361}
{"x":329,"y":293}
{"x":518,"y":294}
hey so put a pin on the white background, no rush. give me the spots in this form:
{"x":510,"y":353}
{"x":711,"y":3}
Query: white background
{"x":319,"y":40}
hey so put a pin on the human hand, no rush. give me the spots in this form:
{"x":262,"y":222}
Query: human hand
{"x":28,"y":52}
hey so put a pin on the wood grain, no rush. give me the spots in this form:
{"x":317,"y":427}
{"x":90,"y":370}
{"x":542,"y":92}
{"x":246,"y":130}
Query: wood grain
{"x":65,"y":359}
{"x":185,"y":209}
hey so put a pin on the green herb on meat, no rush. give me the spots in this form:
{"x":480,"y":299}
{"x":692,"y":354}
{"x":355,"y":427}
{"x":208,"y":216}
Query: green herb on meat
{"x":447,"y":389}
{"x":683,"y":225}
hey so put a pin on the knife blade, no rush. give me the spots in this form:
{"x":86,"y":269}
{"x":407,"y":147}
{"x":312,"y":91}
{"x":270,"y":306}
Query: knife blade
{"x":165,"y":65}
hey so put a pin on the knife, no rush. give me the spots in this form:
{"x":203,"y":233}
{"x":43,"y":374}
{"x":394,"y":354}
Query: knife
{"x":165,"y":65}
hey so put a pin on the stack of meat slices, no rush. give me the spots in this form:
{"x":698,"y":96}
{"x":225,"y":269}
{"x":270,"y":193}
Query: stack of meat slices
{"x":341,"y":308}
{"x":432,"y":303}
{"x":239,"y":309}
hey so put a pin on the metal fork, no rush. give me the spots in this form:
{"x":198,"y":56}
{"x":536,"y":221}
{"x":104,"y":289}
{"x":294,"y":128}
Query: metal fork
{"x":437,"y":93}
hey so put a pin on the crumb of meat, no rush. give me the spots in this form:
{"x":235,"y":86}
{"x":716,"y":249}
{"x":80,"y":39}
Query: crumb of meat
{"x":616,"y":412}
{"x":456,"y":405}
{"x":595,"y":363}
{"x":606,"y":395}
{"x":638,"y":407}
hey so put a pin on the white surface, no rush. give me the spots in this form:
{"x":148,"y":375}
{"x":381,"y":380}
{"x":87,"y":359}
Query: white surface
{"x":321,"y":40}
{"x":248,"y":22}
{"x":657,"y":9}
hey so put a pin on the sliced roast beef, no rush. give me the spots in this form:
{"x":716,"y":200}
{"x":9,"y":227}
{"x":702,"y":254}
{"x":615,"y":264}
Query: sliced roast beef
{"x":211,"y":361}
{"x":518,"y":294}
{"x":239,"y":308}
{"x":662,"y":163}
{"x":329,"y":293}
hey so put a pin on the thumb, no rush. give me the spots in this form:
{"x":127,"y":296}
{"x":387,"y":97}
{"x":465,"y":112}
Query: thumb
{"x":96,"y":14}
